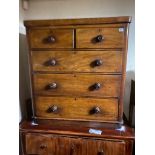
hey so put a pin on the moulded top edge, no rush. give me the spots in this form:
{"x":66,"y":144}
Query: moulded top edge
{"x":79,"y":21}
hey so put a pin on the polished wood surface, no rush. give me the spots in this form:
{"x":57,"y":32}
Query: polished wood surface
{"x":77,"y":108}
{"x":56,"y":145}
{"x":80,"y":21}
{"x":77,"y":85}
{"x":67,"y":61}
{"x":78,"y":58}
{"x":51,"y":38}
{"x":77,"y":69}
{"x":38,"y":144}
{"x":105,"y":147}
{"x":70,"y":137}
{"x":70,"y":146}
{"x":78,"y":128}
{"x":100,"y":38}
{"x":121,"y":105}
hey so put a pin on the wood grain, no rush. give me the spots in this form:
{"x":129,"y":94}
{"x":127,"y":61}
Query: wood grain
{"x":79,"y":129}
{"x":77,"y":61}
{"x":100,"y":147}
{"x":63,"y":38}
{"x":61,"y":136}
{"x":75,"y":53}
{"x":70,"y":146}
{"x":112,"y":38}
{"x":80,"y":21}
{"x":123,"y":73}
{"x":39,"y":144}
{"x":64,"y":115}
{"x":58,"y":145}
{"x":77,"y":108}
{"x":77,"y":85}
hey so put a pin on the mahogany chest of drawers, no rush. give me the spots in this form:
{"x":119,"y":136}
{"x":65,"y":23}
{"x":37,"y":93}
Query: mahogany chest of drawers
{"x":77,"y":70}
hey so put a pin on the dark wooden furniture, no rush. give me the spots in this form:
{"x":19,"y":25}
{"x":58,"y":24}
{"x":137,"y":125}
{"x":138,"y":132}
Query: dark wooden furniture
{"x":73,"y":138}
{"x":77,"y":69}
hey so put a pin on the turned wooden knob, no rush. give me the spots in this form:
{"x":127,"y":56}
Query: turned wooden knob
{"x":99,"y":38}
{"x":97,"y":86}
{"x":52,"y":85}
{"x":43,"y":146}
{"x":52,"y":62}
{"x":53,"y":108}
{"x":101,"y":152}
{"x":96,"y":110}
{"x":51,"y":39}
{"x":98,"y":62}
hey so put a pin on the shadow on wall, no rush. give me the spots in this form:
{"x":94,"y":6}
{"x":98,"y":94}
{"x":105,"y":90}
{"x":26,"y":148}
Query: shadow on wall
{"x":24,"y":83}
{"x":130,"y":75}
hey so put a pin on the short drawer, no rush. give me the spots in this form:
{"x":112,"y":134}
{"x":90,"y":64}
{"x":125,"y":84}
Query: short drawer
{"x":77,"y":108}
{"x":51,"y":38}
{"x":47,"y":144}
{"x":105,"y":147}
{"x":77,"y":61}
{"x":39,"y":144}
{"x":77,"y":85}
{"x":100,"y":38}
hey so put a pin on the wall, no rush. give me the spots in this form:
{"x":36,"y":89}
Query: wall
{"x":51,"y":9}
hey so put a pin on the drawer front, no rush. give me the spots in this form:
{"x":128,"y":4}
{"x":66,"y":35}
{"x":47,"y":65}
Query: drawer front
{"x":100,"y":147}
{"x":69,"y":146}
{"x":77,"y":61}
{"x":36,"y":144}
{"x":100,"y":38}
{"x":51,"y":38}
{"x":39,"y":144}
{"x":77,"y":108}
{"x":46,"y":144}
{"x":77,"y":85}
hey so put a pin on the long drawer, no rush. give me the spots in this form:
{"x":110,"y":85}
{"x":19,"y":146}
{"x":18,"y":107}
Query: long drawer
{"x":77,"y":61}
{"x":77,"y":85}
{"x":77,"y":108}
